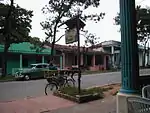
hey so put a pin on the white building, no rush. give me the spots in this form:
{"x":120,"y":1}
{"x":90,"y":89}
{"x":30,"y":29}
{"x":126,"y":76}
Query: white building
{"x":114,"y":48}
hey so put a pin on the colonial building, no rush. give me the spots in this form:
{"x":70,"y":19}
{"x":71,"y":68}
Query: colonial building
{"x":114,"y":47}
{"x":90,"y":59}
{"x":22,"y":55}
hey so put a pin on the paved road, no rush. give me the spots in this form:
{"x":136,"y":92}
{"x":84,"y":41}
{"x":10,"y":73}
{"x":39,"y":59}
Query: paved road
{"x":22,"y":89}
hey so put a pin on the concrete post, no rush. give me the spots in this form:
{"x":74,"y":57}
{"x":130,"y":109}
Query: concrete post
{"x":20,"y":60}
{"x":81,"y":59}
{"x":61,"y":62}
{"x":113,"y":58}
{"x":63,"y":55}
{"x":43,"y":59}
{"x":93,"y":60}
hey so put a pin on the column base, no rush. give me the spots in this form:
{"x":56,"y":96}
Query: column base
{"x":128,"y":91}
{"x":122,"y":102}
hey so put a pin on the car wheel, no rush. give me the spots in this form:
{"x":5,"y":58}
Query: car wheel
{"x":26,"y":77}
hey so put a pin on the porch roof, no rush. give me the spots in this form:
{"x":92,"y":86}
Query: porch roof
{"x":26,"y":48}
{"x":98,"y":53}
{"x":73,"y":49}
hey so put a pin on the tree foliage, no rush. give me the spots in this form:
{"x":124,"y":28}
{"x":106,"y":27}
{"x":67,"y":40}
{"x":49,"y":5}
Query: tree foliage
{"x":91,"y":39}
{"x":143,"y":23}
{"x":20,"y":25}
{"x":142,"y":26}
{"x":58,"y":11}
{"x":37,"y":44}
{"x":15,"y":26}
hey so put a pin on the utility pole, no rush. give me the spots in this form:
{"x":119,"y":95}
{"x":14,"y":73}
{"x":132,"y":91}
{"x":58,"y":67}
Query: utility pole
{"x":78,"y":38}
{"x":75,"y":23}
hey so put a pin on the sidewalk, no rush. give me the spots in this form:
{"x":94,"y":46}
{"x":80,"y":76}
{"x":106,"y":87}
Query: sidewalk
{"x":52,"y":104}
{"x":107,"y":105}
{"x":34,"y":105}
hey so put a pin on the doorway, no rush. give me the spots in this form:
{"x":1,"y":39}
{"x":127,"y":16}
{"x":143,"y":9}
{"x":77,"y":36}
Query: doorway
{"x":107,"y":62}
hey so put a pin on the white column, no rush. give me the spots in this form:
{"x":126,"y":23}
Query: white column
{"x":61,"y":62}
{"x":81,"y":59}
{"x":20,"y":60}
{"x":93,"y":60}
{"x":112,"y":52}
{"x":148,"y":56}
{"x":63,"y":55}
{"x":43,"y":60}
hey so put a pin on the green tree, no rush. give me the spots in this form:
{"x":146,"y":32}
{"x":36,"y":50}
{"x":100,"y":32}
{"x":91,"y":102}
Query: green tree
{"x":143,"y":26}
{"x":58,"y":11}
{"x":37,"y":44}
{"x":15,"y":28}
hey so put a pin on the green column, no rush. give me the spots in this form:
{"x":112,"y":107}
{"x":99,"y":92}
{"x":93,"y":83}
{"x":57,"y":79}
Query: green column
{"x":129,"y":48}
{"x":61,"y":62}
{"x":43,"y":59}
{"x":20,"y":60}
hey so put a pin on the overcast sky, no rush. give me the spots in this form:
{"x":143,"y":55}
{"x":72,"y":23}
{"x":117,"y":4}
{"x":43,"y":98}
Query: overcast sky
{"x":105,"y":29}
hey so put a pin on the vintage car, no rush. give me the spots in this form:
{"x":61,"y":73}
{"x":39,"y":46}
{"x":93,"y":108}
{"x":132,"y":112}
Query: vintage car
{"x":33,"y":72}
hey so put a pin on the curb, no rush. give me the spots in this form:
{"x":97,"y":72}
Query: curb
{"x":103,"y":85}
{"x":6,"y":80}
{"x":28,"y":97}
{"x":98,"y":73}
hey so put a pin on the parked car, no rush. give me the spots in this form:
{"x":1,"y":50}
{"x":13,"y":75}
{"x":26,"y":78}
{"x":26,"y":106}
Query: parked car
{"x":33,"y":72}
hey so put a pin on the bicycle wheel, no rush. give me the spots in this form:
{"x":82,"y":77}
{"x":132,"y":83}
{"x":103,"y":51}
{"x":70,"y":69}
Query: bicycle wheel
{"x":50,"y":87}
{"x":70,"y":83}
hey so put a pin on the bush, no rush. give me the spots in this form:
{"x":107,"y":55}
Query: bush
{"x":86,"y":95}
{"x":73,"y":91}
{"x":107,"y":88}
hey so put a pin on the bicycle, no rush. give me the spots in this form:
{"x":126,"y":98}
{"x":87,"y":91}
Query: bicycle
{"x":55,"y":82}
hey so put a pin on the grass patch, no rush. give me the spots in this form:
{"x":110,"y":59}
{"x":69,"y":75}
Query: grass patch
{"x":86,"y":95}
{"x":7,"y":78}
{"x":107,"y":88}
{"x":73,"y":91}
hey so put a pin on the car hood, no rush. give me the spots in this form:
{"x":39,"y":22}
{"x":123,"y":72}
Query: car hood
{"x":27,"y":70}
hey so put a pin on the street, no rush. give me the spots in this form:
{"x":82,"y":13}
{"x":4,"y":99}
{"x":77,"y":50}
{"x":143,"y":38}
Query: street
{"x":22,"y":89}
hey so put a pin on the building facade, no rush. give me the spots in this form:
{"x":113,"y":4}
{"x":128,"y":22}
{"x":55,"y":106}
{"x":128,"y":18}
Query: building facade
{"x":91,"y":59}
{"x":114,"y":48}
{"x":22,"y":55}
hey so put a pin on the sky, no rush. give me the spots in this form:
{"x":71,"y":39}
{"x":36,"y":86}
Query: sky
{"x":105,"y":29}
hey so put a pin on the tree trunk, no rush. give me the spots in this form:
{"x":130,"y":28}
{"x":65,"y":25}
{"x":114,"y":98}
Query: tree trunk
{"x":53,"y":43}
{"x":6,"y":45}
{"x":4,"y":61}
{"x":52,"y":52}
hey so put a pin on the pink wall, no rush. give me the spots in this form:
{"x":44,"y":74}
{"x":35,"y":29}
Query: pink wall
{"x":98,"y":67}
{"x":81,"y":59}
{"x":93,"y":61}
{"x":69,"y":59}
